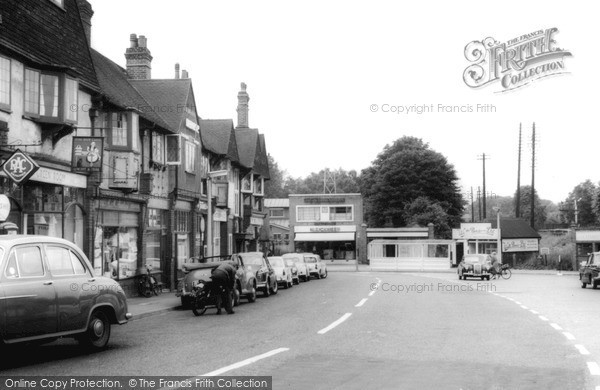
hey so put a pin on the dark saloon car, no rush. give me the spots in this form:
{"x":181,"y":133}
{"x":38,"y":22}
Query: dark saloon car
{"x":589,"y":271}
{"x":48,"y":290}
{"x":475,"y":266}
{"x":258,"y":264}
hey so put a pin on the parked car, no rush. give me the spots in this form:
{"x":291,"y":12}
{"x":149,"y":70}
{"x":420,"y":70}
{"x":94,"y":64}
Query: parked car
{"x":316,"y":267}
{"x":290,"y":263}
{"x":259,"y":265}
{"x":282,"y":271}
{"x":589,"y":271}
{"x":301,"y":265}
{"x":49,"y":290}
{"x":475,"y":266}
{"x":246,"y":283}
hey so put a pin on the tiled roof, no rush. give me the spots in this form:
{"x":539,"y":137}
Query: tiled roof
{"x":218,"y":137}
{"x":42,"y":34}
{"x":251,"y":151}
{"x":116,"y":87}
{"x":167,"y":98}
{"x":277,"y":202}
{"x":515,"y":228}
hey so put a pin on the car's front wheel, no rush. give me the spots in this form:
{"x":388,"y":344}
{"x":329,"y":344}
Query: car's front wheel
{"x":252,"y":294}
{"x":324,"y":274}
{"x":275,"y":288}
{"x":267,"y":288}
{"x":98,"y":331}
{"x":583,"y":284}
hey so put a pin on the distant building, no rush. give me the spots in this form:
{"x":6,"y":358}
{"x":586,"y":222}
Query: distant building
{"x":278,"y":214}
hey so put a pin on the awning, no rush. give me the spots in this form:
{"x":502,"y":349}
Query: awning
{"x":342,"y":236}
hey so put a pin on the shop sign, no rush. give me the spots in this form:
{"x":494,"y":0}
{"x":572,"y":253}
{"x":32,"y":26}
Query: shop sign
{"x":256,"y":221}
{"x":86,"y":155}
{"x":520,"y":245}
{"x":61,"y":178}
{"x":474,"y":231}
{"x":119,"y":205}
{"x":329,"y":200}
{"x":325,"y":229}
{"x":4,"y":207}
{"x":220,"y":215}
{"x":19,"y":167}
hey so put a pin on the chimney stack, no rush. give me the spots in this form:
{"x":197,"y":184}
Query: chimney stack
{"x":86,"y":13}
{"x":184,"y":74}
{"x":139,"y":59}
{"x":177,"y":71}
{"x":242,"y":108}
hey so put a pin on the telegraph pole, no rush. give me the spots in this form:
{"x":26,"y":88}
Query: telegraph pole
{"x":533,"y":140}
{"x":518,"y":197}
{"x":472,"y":207}
{"x":483,"y":157}
{"x":479,"y":201}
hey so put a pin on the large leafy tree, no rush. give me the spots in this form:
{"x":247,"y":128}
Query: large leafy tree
{"x":525,"y":207}
{"x":585,"y":194}
{"x":275,"y":186}
{"x":346,"y":182}
{"x":401,"y":173}
{"x":422,"y":211}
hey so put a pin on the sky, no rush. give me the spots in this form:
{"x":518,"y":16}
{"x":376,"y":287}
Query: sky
{"x":324,"y":77}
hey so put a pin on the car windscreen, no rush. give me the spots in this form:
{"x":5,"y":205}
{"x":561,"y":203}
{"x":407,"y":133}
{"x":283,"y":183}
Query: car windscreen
{"x":252,"y":260}
{"x":289,"y":262}
{"x":276,"y":262}
{"x":294,"y":258}
{"x":310,"y":259}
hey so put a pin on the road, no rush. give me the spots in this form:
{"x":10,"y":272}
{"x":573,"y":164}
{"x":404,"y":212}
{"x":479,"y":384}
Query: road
{"x":365,"y":331}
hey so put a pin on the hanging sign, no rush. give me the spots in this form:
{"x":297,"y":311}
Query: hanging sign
{"x":19,"y":167}
{"x":86,"y":155}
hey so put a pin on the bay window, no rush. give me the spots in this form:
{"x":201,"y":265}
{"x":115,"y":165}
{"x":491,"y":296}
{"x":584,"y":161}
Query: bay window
{"x":51,"y":97}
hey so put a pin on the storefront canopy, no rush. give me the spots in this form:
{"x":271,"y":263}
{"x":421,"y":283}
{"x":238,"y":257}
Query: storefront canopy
{"x":341,"y":236}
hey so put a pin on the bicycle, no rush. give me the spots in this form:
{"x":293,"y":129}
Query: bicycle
{"x":148,"y":285}
{"x":505,"y":272}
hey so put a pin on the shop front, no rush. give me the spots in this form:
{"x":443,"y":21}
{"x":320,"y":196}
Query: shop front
{"x":330,"y":242}
{"x":50,"y":203}
{"x":155,"y":235}
{"x":474,"y":238}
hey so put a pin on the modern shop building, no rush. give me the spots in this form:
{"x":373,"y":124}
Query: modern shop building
{"x":330,"y":225}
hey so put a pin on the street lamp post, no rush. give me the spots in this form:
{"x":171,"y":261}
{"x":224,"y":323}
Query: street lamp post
{"x":499,"y":240}
{"x":209,"y":217}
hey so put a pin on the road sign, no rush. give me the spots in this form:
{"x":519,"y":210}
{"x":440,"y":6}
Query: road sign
{"x":19,"y":167}
{"x":545,"y":251}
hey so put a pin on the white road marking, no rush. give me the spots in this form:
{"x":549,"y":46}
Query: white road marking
{"x":582,"y":350}
{"x":569,"y":336}
{"x":335,"y":323}
{"x":371,"y":293}
{"x":362,"y":302}
{"x":246,"y":362}
{"x":594,"y":368}
{"x":543,"y":318}
{"x":524,"y":307}
{"x":534,"y":312}
{"x":510,"y":299}
{"x":518,"y":303}
{"x":555,"y":326}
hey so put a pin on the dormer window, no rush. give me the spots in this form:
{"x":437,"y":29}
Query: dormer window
{"x":51,"y":97}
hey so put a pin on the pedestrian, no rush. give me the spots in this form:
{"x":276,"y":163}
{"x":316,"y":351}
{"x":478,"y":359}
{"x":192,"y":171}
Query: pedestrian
{"x":223,"y":283}
{"x":495,"y":265}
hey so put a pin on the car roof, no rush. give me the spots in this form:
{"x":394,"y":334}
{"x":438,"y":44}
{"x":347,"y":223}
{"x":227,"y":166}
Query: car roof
{"x":15,"y":239}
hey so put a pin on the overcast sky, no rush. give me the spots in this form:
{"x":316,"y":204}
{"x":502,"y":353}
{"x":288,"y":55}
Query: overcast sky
{"x":315,"y":68}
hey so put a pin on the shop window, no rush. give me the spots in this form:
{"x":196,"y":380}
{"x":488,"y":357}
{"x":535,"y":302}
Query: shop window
{"x":120,"y":251}
{"x":389,"y":250}
{"x":51,"y":97}
{"x":74,"y":225}
{"x":4,"y":83}
{"x":340,"y":213}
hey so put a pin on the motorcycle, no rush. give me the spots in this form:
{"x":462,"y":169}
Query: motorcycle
{"x":203,"y":296}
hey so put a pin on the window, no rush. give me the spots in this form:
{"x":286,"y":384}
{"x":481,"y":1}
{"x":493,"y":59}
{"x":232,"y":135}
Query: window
{"x":59,"y":261}
{"x":173,"y":149}
{"x":51,"y":97}
{"x":119,"y":129}
{"x":29,"y":261}
{"x":308,"y":213}
{"x":77,"y":264}
{"x":276,"y":212}
{"x":4,"y":83}
{"x":158,"y":148}
{"x":340,"y":213}
{"x":190,"y":156}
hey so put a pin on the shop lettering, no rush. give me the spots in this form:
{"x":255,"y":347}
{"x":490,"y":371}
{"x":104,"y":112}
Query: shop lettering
{"x":325,"y":229}
{"x":324,"y":200}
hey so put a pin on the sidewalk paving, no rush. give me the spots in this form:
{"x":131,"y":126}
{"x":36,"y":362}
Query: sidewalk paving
{"x":141,"y":307}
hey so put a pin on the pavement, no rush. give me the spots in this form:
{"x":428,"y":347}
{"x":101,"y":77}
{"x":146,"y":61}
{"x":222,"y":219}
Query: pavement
{"x":141,"y":307}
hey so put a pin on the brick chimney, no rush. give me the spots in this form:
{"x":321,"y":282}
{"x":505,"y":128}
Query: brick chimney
{"x":139,"y":60}
{"x":242,"y":108}
{"x":176,"y":71}
{"x":184,"y":74}
{"x":85,"y":14}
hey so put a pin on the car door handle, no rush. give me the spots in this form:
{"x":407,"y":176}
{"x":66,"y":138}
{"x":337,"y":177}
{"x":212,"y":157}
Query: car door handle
{"x":48,"y":283}
{"x":92,"y":280}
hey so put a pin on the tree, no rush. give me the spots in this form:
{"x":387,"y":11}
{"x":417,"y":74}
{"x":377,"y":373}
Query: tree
{"x":422,"y":211}
{"x":586,"y":196}
{"x":275,"y":186}
{"x":403,"y":172}
{"x":540,"y":208}
{"x":346,"y":182}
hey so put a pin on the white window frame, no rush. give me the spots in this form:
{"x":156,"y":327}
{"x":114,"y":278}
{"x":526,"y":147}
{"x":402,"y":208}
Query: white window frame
{"x":174,"y":157}
{"x":190,"y":156}
{"x":158,"y":147}
{"x":67,"y":110}
{"x":324,"y":213}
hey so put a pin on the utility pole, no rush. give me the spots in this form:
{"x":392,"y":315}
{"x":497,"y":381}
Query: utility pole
{"x":329,"y":185}
{"x":518,"y":197}
{"x":472,"y":207}
{"x":483,"y":157}
{"x":479,"y":201}
{"x":533,"y":141}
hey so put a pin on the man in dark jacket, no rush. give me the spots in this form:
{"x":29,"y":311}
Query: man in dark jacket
{"x":223,"y":278}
